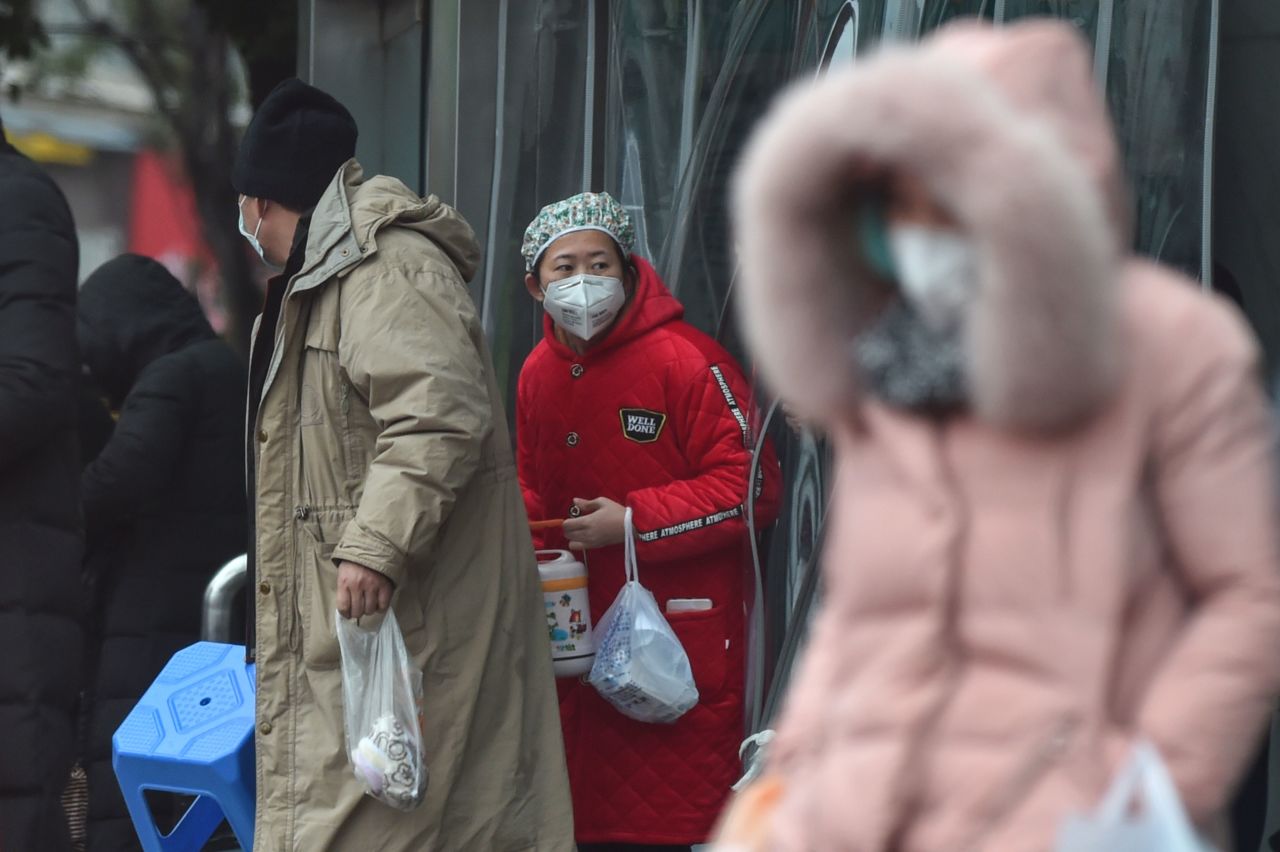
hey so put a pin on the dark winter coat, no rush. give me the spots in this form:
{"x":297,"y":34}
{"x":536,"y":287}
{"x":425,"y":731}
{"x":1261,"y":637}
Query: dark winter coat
{"x":40,"y":602}
{"x":657,"y":417}
{"x":164,"y":501}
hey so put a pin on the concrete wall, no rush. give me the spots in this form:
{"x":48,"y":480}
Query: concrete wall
{"x":370,"y":56}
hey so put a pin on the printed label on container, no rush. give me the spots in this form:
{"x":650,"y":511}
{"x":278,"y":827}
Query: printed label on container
{"x":568,"y":621}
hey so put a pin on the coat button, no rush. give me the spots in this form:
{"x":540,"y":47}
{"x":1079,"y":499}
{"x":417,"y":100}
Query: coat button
{"x":264,"y":728}
{"x":262,"y":436}
{"x":264,"y":587}
{"x":577,"y":370}
{"x":572,"y":439}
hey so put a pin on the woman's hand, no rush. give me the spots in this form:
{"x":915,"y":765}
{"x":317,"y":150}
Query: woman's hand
{"x":600,"y":524}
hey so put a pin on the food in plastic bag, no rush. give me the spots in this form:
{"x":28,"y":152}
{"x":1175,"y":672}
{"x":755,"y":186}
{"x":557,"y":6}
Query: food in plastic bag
{"x":641,"y":668}
{"x":1159,"y":825}
{"x":382,"y":712}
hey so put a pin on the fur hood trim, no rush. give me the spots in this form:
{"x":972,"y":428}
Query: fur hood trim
{"x":1043,"y":345}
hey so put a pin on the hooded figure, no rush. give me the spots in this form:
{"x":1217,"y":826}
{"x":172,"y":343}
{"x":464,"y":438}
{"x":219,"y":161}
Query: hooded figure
{"x":164,"y":502}
{"x":40,"y":599}
{"x":624,"y":405}
{"x":382,"y":476}
{"x":1052,"y":532}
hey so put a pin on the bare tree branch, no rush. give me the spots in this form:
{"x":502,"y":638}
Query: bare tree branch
{"x":138,"y":56}
{"x":183,"y":59}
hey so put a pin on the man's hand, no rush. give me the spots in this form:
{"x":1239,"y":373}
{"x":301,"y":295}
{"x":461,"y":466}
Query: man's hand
{"x":362,"y":591}
{"x":600,"y":525}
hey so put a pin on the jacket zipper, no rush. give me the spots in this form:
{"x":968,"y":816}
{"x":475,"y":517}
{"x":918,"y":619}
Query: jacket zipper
{"x":1045,"y":753}
{"x":950,"y":648}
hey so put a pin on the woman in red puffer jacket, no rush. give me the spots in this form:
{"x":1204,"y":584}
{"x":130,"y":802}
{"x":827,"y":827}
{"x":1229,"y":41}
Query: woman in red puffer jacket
{"x":625,"y":405}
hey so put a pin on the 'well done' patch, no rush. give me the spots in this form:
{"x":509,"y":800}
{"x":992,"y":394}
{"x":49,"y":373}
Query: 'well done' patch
{"x":641,"y":425}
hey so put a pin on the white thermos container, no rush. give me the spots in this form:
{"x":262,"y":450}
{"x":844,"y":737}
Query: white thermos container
{"x":564,"y":595}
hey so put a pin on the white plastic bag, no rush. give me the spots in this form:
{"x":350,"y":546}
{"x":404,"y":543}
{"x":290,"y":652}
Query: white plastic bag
{"x":641,"y":668}
{"x":382,"y":712}
{"x":1159,"y":825}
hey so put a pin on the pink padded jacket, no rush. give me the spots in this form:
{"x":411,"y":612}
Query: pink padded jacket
{"x":1090,"y":554}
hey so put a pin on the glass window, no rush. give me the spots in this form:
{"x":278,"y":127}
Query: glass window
{"x":666,"y":59}
{"x":1156,"y":78}
{"x":1082,"y":13}
{"x":683,"y":84}
{"x":758,"y":59}
{"x":543,"y":114}
{"x":655,"y":57}
{"x":842,"y":43}
{"x":1151,"y":58}
{"x":937,"y":12}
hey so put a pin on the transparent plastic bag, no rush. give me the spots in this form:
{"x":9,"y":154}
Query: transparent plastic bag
{"x":382,"y":712}
{"x":1160,"y":825}
{"x":641,"y":668}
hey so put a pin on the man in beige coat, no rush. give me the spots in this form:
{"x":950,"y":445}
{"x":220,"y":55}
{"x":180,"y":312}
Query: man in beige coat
{"x":382,"y":475}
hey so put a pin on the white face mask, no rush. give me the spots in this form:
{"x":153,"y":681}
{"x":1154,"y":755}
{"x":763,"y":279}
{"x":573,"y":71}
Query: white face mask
{"x":584,"y":305}
{"x":253,"y":238}
{"x":937,"y":270}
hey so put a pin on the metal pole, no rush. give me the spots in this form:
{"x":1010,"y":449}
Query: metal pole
{"x":487,"y":307}
{"x":1102,"y":43}
{"x":1206,"y":179}
{"x":219,"y":600}
{"x":589,"y":100}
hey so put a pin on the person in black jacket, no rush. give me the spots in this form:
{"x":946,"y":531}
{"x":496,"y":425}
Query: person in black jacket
{"x":164,"y":497}
{"x":40,"y":600}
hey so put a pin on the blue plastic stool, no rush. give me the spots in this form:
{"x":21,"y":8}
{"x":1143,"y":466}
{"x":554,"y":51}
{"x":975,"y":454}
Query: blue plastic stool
{"x":192,"y":733}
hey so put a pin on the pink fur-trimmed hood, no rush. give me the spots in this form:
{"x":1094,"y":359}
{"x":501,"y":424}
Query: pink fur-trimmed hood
{"x":1007,"y":130}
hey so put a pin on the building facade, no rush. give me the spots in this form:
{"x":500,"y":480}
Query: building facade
{"x":501,"y":106}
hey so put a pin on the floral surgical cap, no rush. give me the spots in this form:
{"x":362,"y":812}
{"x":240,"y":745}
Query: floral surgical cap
{"x":589,"y":211}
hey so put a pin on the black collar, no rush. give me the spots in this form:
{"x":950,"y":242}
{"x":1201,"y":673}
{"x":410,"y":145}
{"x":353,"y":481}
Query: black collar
{"x":298,"y":251}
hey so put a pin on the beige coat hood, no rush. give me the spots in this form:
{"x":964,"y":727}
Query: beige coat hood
{"x":382,"y":202}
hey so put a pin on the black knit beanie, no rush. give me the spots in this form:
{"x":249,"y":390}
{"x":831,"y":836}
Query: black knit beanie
{"x":294,"y":146}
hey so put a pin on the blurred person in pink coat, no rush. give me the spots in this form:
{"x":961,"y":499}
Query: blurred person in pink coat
{"x":1053,"y":528}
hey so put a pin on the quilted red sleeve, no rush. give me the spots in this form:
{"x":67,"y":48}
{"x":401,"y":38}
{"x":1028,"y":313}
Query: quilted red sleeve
{"x":533,"y":504}
{"x":706,"y":511}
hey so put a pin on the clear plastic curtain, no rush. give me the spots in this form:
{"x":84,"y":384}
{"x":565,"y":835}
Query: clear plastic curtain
{"x":542,"y":109}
